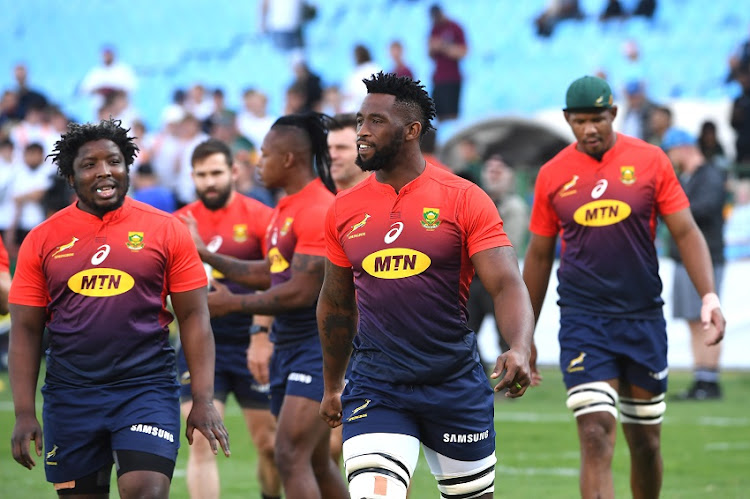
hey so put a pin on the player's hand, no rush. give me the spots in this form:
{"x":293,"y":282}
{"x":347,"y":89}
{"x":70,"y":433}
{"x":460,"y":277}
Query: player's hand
{"x":330,"y":408}
{"x":259,"y":357}
{"x":192,"y":225}
{"x":26,"y":429}
{"x":712,"y":319}
{"x":536,"y":377}
{"x":220,"y":300}
{"x":206,"y":419}
{"x":517,"y":376}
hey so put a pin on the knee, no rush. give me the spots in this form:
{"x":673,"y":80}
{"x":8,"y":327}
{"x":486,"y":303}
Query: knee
{"x":597,"y":435}
{"x":200,"y":451}
{"x":265,"y":445}
{"x":143,"y":486}
{"x":645,"y":443}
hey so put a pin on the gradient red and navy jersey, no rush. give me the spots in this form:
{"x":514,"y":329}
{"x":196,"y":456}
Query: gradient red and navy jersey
{"x":105,"y":283}
{"x":238,"y":230}
{"x":297,"y":226}
{"x":410,"y":255}
{"x":4,"y":260}
{"x":606,"y":213}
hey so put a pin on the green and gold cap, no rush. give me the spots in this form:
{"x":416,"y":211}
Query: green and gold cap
{"x":588,"y":93}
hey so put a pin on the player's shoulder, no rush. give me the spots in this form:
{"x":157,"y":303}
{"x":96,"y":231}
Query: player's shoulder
{"x":146,"y":211}
{"x":55,"y":220}
{"x":250,"y":203}
{"x":635,"y":144}
{"x":447,"y":179}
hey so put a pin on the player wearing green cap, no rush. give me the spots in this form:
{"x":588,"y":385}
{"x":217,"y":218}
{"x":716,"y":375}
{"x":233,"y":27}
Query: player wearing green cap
{"x":602,"y":195}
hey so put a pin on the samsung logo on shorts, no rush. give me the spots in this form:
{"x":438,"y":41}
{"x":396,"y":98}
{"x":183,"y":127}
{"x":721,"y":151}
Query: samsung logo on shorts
{"x":152,"y":430}
{"x":465,"y":438}
{"x":300,"y":378}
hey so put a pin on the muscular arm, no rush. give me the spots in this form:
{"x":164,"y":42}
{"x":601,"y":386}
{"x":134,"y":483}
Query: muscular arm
{"x":697,"y":261}
{"x":253,"y":274}
{"x":4,"y":291}
{"x":497,"y":268}
{"x":198,"y":344}
{"x":537,"y":267}
{"x":24,"y":358}
{"x":300,"y":291}
{"x":337,"y":325}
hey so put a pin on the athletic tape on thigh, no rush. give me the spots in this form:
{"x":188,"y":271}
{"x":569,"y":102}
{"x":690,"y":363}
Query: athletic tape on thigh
{"x":468,"y":486}
{"x":376,"y":475}
{"x":592,"y":397}
{"x":643,"y":411}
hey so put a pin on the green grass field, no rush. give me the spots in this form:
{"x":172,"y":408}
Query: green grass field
{"x":706,"y":449}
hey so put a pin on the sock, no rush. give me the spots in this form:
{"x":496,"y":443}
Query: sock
{"x":263,"y":496}
{"x":706,"y":375}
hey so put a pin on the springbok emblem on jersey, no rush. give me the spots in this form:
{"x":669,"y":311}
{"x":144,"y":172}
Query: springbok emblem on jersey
{"x":65,"y":247}
{"x":358,"y":225}
{"x":577,"y":363}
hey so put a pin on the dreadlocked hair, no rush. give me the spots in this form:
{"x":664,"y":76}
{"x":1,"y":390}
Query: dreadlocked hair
{"x":315,"y":126}
{"x":66,"y":149}
{"x":409,"y":94}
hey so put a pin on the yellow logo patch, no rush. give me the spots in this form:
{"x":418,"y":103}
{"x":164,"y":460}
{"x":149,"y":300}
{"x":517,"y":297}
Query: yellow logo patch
{"x":602,"y":212}
{"x":576,"y":364}
{"x":430,"y":218}
{"x":65,"y":247}
{"x":396,"y":263}
{"x":101,"y":282}
{"x":287,"y":225}
{"x":135,"y":241}
{"x":627,"y":175}
{"x":240,"y":233}
{"x":278,"y":262}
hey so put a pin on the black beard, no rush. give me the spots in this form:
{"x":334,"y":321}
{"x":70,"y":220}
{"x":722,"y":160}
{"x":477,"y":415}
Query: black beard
{"x":216,"y":203}
{"x":381,"y":158}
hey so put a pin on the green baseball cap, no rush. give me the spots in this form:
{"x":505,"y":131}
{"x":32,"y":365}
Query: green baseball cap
{"x":588,"y":93}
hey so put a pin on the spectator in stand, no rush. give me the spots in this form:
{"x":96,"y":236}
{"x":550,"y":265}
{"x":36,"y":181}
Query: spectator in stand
{"x":8,"y":109}
{"x":110,"y":75}
{"x":613,"y":10}
{"x":190,"y":136}
{"x":282,"y":21}
{"x":333,"y":101}
{"x":703,"y":184}
{"x":307,"y":85}
{"x":147,"y":189}
{"x":8,"y":169}
{"x":198,"y":103}
{"x":28,"y":187}
{"x":166,"y":147}
{"x":637,"y":120}
{"x":645,"y":8}
{"x":354,"y":88}
{"x":27,"y":96}
{"x":740,"y":59}
{"x":34,"y":128}
{"x":471,"y":161}
{"x":400,"y":68}
{"x":737,"y":227}
{"x":741,"y":123}
{"x":553,"y":13}
{"x":220,"y":113}
{"x":447,"y":46}
{"x":711,"y":148}
{"x":253,"y":121}
{"x":659,"y":122}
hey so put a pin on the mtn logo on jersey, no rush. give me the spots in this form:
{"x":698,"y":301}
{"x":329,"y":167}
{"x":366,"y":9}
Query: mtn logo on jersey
{"x":396,"y":263}
{"x":430,"y":218}
{"x":278,"y":262}
{"x":602,"y":212}
{"x":101,"y":282}
{"x":65,"y":247}
{"x":627,"y":175}
{"x":135,"y":241}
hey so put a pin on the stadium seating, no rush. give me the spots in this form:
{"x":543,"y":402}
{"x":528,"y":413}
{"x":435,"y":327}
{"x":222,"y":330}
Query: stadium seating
{"x":175,"y":43}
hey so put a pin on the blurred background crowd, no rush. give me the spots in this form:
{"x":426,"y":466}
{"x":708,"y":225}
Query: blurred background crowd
{"x":178,"y":71}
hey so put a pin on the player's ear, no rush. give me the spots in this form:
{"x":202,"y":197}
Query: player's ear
{"x":413,"y":131}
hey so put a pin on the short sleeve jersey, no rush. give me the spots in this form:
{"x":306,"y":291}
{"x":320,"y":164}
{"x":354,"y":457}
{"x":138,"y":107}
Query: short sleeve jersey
{"x":105,"y":283}
{"x":4,"y":260}
{"x":606,"y":213}
{"x":296,"y":227}
{"x":410,"y":256}
{"x":238,"y":230}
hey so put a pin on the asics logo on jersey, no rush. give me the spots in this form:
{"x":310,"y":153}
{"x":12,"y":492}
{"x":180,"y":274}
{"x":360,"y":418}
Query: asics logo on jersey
{"x":101,"y":254}
{"x":65,"y":247}
{"x":392,"y":235}
{"x":395,"y":263}
{"x":602,"y":212}
{"x":577,"y":363}
{"x":215,"y":243}
{"x":152,"y":430}
{"x":101,"y":282}
{"x":358,"y":225}
{"x":599,"y":188}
